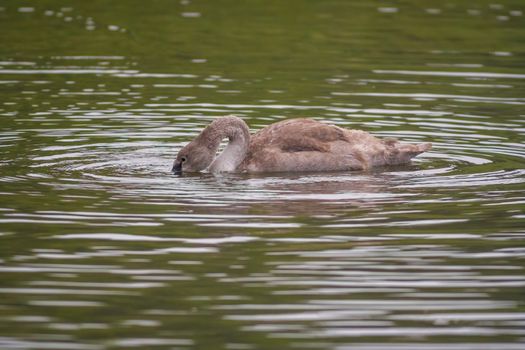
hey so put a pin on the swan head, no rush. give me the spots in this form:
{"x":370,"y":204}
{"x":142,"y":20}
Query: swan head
{"x":193,"y":157}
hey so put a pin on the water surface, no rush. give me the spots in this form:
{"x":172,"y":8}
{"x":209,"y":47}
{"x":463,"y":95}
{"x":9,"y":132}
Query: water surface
{"x":102,"y":248}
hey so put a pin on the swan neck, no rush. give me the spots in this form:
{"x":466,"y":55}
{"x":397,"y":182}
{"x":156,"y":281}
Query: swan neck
{"x":238,"y":134}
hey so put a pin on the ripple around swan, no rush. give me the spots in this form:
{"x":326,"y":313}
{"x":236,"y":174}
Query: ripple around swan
{"x":143,"y":167}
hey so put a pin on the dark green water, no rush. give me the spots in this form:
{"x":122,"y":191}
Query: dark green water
{"x":102,"y":248}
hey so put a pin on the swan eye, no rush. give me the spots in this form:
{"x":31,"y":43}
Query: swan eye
{"x":183,"y":159}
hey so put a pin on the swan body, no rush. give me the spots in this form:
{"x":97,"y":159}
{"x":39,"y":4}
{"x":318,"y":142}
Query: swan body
{"x":294,"y":145}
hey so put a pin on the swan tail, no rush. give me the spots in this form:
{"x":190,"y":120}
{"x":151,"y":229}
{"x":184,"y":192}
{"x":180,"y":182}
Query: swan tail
{"x":420,"y":148}
{"x":403,"y":152}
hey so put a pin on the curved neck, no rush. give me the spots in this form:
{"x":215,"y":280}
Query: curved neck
{"x":238,"y":134}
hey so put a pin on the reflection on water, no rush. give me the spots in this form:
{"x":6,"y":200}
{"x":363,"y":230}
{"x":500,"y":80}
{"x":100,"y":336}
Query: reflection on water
{"x":102,"y":247}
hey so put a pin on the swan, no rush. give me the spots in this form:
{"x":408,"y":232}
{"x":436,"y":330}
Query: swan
{"x":293,"y":145}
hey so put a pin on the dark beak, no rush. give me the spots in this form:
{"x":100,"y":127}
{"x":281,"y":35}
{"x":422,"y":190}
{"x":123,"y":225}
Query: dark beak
{"x":177,"y":168}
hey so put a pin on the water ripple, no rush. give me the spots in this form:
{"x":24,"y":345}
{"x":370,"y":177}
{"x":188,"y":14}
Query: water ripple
{"x":427,"y":255}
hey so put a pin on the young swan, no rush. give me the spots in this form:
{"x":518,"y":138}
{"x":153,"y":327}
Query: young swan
{"x":290,"y":146}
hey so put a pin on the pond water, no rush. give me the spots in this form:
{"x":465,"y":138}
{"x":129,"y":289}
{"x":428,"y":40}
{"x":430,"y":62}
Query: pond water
{"x":101,"y":247}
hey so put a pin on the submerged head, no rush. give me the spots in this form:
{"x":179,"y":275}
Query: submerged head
{"x":200,"y":153}
{"x":193,"y":157}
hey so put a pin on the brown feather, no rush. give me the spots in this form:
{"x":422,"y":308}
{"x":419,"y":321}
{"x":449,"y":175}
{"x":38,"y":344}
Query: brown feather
{"x":298,"y":145}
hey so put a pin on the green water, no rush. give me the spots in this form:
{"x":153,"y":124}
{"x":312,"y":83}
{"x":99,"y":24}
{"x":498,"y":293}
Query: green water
{"x":101,"y":247}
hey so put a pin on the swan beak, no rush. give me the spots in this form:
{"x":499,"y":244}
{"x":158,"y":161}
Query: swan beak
{"x":177,"y":168}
